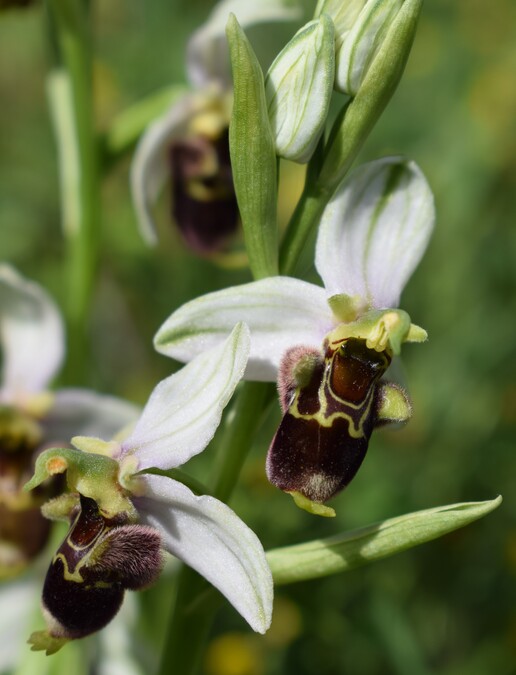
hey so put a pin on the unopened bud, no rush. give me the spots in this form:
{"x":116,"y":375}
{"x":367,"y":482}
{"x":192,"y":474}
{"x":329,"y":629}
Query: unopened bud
{"x":298,"y":89}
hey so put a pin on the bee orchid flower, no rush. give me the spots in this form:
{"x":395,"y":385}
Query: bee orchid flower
{"x":33,"y":417}
{"x":189,"y":145}
{"x":329,"y":346}
{"x":122,"y":517}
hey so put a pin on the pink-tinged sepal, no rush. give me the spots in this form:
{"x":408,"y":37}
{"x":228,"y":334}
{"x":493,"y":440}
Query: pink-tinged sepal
{"x":323,"y":436}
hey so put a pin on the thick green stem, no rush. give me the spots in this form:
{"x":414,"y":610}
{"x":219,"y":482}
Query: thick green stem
{"x":193,"y":607}
{"x":238,"y":436}
{"x":189,"y":624}
{"x":78,"y":152}
{"x":306,"y":216}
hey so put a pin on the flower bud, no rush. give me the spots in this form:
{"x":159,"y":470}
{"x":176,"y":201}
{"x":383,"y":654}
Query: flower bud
{"x":298,"y":88}
{"x":360,"y":29}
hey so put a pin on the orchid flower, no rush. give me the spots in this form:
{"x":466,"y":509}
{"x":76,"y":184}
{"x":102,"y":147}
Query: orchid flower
{"x":328,"y":346}
{"x":121,"y":516}
{"x":31,"y":416}
{"x":190,"y":141}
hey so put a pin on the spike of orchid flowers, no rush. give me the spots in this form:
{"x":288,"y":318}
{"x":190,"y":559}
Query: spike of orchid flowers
{"x":121,"y":516}
{"x":190,"y":141}
{"x":330,"y":346}
{"x":32,"y":417}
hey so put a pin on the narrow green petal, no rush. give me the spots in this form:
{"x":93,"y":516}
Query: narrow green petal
{"x":353,"y":549}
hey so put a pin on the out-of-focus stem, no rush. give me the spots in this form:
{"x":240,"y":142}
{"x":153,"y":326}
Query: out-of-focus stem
{"x":79,"y":171}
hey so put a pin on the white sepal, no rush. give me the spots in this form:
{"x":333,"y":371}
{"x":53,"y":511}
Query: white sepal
{"x":149,"y":168}
{"x":207,"y":50}
{"x":79,"y":412}
{"x":184,"y":410}
{"x":31,"y":336}
{"x":209,"y":537}
{"x":281,"y":312}
{"x":298,"y":87}
{"x":375,"y":230}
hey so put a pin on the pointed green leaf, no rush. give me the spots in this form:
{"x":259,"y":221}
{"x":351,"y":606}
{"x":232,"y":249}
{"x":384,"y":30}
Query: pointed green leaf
{"x":253,"y":155}
{"x":353,"y":549}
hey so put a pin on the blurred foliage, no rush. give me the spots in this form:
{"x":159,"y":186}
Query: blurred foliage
{"x":449,"y":606}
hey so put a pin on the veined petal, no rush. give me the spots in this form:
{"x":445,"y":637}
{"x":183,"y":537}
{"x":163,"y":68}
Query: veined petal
{"x":78,"y":412}
{"x":280,"y":311}
{"x":184,"y":410}
{"x":375,"y":230}
{"x":209,"y":537}
{"x":31,"y":336}
{"x":207,"y":50}
{"x":149,"y":168}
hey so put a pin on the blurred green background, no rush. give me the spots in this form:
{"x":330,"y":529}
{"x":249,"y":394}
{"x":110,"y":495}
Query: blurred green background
{"x":448,"y":607}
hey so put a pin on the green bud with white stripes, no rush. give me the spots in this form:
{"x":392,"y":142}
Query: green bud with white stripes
{"x":361,"y":28}
{"x":298,"y":87}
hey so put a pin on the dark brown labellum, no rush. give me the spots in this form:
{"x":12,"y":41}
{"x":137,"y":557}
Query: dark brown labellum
{"x":328,"y":420}
{"x":203,"y":197}
{"x":99,"y":559}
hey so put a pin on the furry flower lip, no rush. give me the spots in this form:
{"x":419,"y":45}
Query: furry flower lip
{"x":32,"y":417}
{"x":371,"y":238}
{"x":112,"y":499}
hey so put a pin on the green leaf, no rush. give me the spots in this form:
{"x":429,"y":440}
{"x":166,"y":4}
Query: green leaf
{"x":353,"y":549}
{"x":253,"y":155}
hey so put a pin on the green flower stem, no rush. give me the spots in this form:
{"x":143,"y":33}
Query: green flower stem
{"x":193,"y":608}
{"x":192,"y":612}
{"x":238,"y":435}
{"x":78,"y":150}
{"x":305,"y":217}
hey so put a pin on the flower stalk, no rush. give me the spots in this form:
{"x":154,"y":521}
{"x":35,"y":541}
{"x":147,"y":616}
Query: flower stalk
{"x":78,"y":157}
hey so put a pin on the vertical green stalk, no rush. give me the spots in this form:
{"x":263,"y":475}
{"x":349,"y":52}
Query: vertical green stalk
{"x":78,"y":158}
{"x":192,"y":614}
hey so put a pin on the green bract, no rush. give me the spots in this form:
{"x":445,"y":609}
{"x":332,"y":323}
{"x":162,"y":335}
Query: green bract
{"x":298,"y":86}
{"x":253,"y":155}
{"x":360,"y":547}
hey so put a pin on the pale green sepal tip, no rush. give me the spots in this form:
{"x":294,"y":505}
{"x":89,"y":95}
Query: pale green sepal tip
{"x":42,"y":641}
{"x":253,"y":155}
{"x":353,"y":549}
{"x":416,"y":334}
{"x":95,"y":446}
{"x":312,"y":507}
{"x":394,"y":405}
{"x":91,"y":475}
{"x":347,"y":308}
{"x":299,"y":87}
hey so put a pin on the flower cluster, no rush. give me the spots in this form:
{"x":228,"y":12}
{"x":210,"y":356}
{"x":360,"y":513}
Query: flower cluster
{"x":329,"y":346}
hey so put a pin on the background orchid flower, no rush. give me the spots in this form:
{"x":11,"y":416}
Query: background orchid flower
{"x":32,"y":417}
{"x":189,"y":143}
{"x":133,"y":514}
{"x":372,"y":236}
